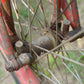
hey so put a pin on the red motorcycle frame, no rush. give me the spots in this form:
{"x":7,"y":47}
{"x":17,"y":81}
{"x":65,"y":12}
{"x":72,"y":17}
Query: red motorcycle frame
{"x":27,"y":76}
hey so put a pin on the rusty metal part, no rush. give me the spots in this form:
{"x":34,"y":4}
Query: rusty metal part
{"x":19,"y":47}
{"x":46,"y":41}
{"x":59,"y":5}
{"x":53,"y":26}
{"x":68,"y":12}
{"x":66,"y":24}
{"x":7,"y":13}
{"x":75,"y":14}
{"x":20,"y":61}
{"x":8,"y":19}
{"x":5,"y":42}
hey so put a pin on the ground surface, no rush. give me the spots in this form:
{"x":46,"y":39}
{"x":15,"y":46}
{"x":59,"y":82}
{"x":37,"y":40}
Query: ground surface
{"x":6,"y":78}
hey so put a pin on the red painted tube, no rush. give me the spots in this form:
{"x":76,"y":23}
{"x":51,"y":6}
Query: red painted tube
{"x":58,"y":2}
{"x":75,"y":14}
{"x":5,"y":40}
{"x":7,"y":13}
{"x":27,"y":76}
{"x":2,"y":1}
{"x":68,"y":12}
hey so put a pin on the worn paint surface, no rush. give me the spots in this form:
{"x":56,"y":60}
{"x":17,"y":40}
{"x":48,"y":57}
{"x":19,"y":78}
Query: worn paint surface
{"x":6,"y":24}
{"x":71,"y":13}
{"x":75,"y":14}
{"x":7,"y":13}
{"x":27,"y":76}
{"x":5,"y":42}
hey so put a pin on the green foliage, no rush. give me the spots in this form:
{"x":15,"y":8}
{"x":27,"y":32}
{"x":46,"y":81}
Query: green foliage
{"x":27,"y":38}
{"x":23,"y":12}
{"x":78,"y":59}
{"x":51,"y":60}
{"x":46,"y":72}
{"x":36,"y":69}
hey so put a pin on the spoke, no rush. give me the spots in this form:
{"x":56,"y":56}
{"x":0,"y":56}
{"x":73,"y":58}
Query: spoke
{"x":42,"y":10}
{"x":35,"y":53}
{"x":77,"y":74}
{"x":71,"y":71}
{"x":27,"y":7}
{"x":48,"y":62}
{"x":29,"y":28}
{"x":23,"y":19}
{"x":50,"y":1}
{"x":56,"y":23}
{"x":35,"y":11}
{"x":48,"y":78}
{"x":74,"y":68}
{"x":54,"y":76}
{"x":26,"y":26}
{"x":61,"y":75}
{"x":43,"y":13}
{"x":71,"y":38}
{"x":71,"y":50}
{"x":68,"y":67}
{"x":42,"y":56}
{"x":17,"y":15}
{"x":38,"y":56}
{"x":33,"y":16}
{"x":77,"y":49}
{"x":65,"y":9}
{"x":32,"y":12}
{"x":23,"y":24}
{"x":66,"y":80}
{"x":78,"y":63}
